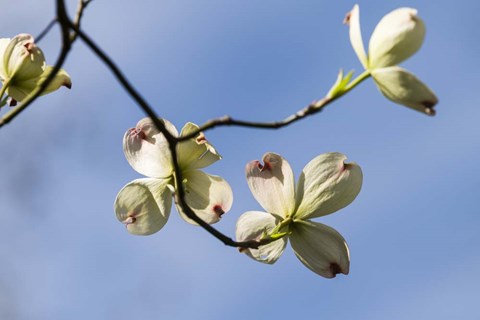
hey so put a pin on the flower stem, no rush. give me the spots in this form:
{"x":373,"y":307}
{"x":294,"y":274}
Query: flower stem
{"x":364,"y":75}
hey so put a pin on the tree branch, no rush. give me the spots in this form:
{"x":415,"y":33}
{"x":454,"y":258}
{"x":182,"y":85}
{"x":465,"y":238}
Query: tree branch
{"x":46,"y":30}
{"x":309,"y":110}
{"x":69,"y":37}
{"x":172,"y":142}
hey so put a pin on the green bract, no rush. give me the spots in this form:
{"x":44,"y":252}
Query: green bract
{"x":23,"y":68}
{"x":396,"y":37}
{"x":144,"y":205}
{"x":327,"y":184}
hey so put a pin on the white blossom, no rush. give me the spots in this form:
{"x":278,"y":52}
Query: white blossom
{"x":23,"y":68}
{"x":396,"y":37}
{"x":144,"y":205}
{"x":326,"y":185}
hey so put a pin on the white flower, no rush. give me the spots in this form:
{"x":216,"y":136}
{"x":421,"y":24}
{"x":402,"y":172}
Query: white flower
{"x":326,"y":185}
{"x":396,"y":37}
{"x":144,"y":204}
{"x":23,"y":68}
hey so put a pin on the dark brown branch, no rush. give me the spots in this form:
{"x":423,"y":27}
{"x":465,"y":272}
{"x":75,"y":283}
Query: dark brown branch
{"x":309,"y":110}
{"x":46,"y":30}
{"x":124,"y":82}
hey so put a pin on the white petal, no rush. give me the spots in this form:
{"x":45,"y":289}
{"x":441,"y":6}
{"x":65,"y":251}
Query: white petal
{"x":3,"y":46}
{"x":18,"y":93}
{"x":144,"y":205}
{"x":20,"y":89}
{"x":326,"y":185}
{"x":404,"y":88}
{"x":146,"y":149}
{"x":207,"y":195}
{"x":353,"y":21}
{"x":272,"y":184}
{"x":251,"y":226}
{"x":320,"y":248}
{"x":62,"y":78}
{"x":396,"y":37}
{"x":195,"y":153}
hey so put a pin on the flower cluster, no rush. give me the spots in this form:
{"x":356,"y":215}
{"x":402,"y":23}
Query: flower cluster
{"x":327,"y":184}
{"x":396,"y":37}
{"x":23,"y":68}
{"x":144,"y":205}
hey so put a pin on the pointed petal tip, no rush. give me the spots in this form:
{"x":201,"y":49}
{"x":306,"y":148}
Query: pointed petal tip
{"x":348,"y":15}
{"x":218,"y":210}
{"x":12,"y":102}
{"x":131,"y":219}
{"x":346,"y":20}
{"x":335,"y":269}
{"x":429,"y":106}
{"x":67,"y":84}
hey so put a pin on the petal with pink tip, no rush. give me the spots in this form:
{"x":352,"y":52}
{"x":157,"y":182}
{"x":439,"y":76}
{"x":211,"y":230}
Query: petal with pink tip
{"x":326,"y":185}
{"x":272,"y":184}
{"x":402,"y":87}
{"x":195,"y":153}
{"x":353,"y":21}
{"x":207,"y":195}
{"x":147,"y":150}
{"x":320,"y":248}
{"x":397,"y":36}
{"x":144,"y":205}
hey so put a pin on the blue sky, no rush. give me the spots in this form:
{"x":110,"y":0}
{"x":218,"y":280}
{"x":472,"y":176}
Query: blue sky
{"x":412,"y":231}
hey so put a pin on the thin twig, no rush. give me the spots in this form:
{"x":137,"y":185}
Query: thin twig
{"x":125,"y":83}
{"x":313,"y":108}
{"x":46,"y":30}
{"x":82,"y":5}
{"x":309,"y":110}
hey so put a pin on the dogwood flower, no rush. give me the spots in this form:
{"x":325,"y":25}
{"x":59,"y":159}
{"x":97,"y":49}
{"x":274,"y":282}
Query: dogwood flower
{"x":396,"y":37}
{"x":327,"y":184}
{"x":144,"y":205}
{"x":23,"y":68}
